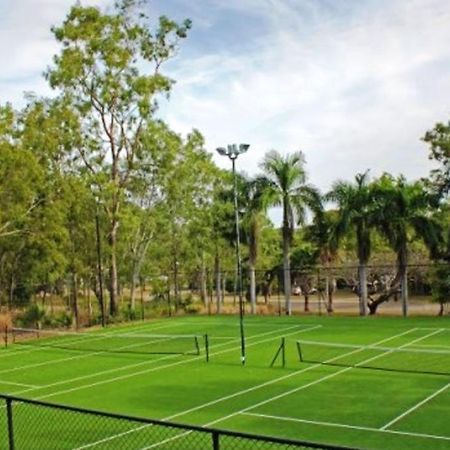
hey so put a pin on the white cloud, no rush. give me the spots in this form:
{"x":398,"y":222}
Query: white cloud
{"x":27,"y":44}
{"x":353,"y":92}
{"x":353,"y":84}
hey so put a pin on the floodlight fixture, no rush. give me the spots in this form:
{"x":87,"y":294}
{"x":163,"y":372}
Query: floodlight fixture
{"x":233,"y":151}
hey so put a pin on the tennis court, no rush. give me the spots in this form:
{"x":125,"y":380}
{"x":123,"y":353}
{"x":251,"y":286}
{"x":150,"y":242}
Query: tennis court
{"x":372,"y":383}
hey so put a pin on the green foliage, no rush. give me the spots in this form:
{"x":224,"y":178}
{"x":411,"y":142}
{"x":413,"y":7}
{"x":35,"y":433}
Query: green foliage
{"x":439,"y":140}
{"x":440,"y":283}
{"x":32,"y":317}
{"x":356,"y":213}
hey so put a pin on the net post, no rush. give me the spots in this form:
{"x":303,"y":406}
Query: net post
{"x":279,"y":350}
{"x":197,"y":346}
{"x":283,"y":354}
{"x":299,"y":350}
{"x":9,"y":414}
{"x":206,"y":347}
{"x":215,"y":440}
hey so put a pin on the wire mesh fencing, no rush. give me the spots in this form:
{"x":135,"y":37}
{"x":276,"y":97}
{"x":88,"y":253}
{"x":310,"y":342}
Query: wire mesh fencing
{"x":35,"y":425}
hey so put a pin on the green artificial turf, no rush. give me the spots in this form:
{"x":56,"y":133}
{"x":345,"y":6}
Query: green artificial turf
{"x":333,"y":404}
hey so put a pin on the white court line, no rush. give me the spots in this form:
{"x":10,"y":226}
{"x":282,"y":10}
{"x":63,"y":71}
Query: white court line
{"x":85,"y":355}
{"x":111,"y":331}
{"x":12,"y":383}
{"x":326,"y":377}
{"x":433,"y":346}
{"x":350,"y":427}
{"x":285,"y":393}
{"x":434,"y":328}
{"x":116,"y":436}
{"x":227,"y":398}
{"x":410,"y":410}
{"x":152,"y":369}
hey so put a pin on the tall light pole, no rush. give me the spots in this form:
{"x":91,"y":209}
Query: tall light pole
{"x":233,"y":151}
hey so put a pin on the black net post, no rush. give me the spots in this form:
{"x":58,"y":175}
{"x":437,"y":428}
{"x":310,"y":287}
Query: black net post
{"x":197,"y":346}
{"x":281,"y":350}
{"x":207,"y":347}
{"x":299,"y":349}
{"x":216,"y":440}
{"x":9,"y":414}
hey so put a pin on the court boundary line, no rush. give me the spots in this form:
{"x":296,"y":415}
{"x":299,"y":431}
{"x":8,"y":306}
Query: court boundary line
{"x":415,"y":407}
{"x":273,"y":381}
{"x":341,"y":425}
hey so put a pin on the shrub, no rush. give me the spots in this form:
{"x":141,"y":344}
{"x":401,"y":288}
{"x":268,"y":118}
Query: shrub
{"x":440,"y":285}
{"x":33,"y":316}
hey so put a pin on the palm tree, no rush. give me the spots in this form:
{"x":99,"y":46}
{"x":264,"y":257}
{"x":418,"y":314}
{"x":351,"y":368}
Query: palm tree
{"x":285,"y":185}
{"x":403,"y":213}
{"x":356,"y":214}
{"x":253,"y":195}
{"x":320,"y":233}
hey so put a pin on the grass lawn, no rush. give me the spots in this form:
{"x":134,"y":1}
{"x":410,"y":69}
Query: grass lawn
{"x":334,"y":404}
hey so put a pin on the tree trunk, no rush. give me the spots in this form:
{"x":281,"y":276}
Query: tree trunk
{"x":75,"y":299}
{"x":362,"y":289}
{"x":176,"y":287}
{"x":89,"y":303}
{"x":404,"y":291}
{"x":306,"y":303}
{"x":113,"y":282}
{"x":134,"y":282}
{"x":223,"y":287}
{"x":218,"y":284}
{"x":11,"y":288}
{"x":287,"y":277}
{"x":252,"y":287}
{"x":203,"y":288}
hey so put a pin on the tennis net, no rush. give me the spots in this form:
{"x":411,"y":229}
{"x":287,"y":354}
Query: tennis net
{"x":108,"y":342}
{"x":428,"y":361}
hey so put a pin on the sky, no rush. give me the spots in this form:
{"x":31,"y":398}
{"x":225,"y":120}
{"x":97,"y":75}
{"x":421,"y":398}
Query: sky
{"x":354,"y":84}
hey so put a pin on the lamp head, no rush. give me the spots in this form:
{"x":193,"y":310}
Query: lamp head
{"x":243,"y":148}
{"x":233,"y":150}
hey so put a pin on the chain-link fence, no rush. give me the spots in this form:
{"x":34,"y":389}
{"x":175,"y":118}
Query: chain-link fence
{"x":315,"y":289}
{"x":34,"y":425}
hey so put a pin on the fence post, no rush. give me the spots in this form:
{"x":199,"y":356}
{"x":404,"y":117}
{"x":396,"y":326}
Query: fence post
{"x":10,"y":423}
{"x":215,"y":439}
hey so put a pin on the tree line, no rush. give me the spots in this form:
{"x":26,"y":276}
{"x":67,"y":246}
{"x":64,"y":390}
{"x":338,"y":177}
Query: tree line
{"x":96,"y":190}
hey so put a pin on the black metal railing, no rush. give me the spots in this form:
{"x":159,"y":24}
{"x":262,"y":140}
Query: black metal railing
{"x":33,"y":425}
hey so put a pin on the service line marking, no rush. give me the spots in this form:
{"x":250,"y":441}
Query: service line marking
{"x":341,"y":425}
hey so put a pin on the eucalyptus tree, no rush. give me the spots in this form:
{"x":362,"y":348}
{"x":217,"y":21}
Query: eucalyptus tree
{"x":32,"y":232}
{"x":182,"y":175}
{"x":21,"y":176}
{"x":356,"y":214}
{"x":403,"y":214}
{"x":254,"y":196}
{"x":109,"y":69}
{"x":221,"y":223}
{"x":286,"y":185}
